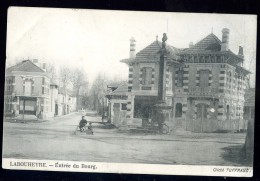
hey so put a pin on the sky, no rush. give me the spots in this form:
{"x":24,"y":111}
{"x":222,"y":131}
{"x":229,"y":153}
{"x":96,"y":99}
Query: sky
{"x":96,"y":40}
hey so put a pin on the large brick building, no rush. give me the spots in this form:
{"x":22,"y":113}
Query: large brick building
{"x":211,"y":83}
{"x":204,"y":83}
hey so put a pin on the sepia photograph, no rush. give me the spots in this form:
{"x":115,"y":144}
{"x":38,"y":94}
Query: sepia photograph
{"x":129,"y":92}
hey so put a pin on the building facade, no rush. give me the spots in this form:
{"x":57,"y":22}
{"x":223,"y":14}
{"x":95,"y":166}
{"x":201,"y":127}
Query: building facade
{"x":210,"y":85}
{"x":205,"y":84}
{"x":27,"y":90}
{"x":143,"y":78}
{"x":117,"y":103}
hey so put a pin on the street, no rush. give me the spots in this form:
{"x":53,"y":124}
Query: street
{"x":54,"y":140}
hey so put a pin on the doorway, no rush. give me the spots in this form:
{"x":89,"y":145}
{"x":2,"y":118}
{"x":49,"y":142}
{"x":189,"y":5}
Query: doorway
{"x":202,"y":114}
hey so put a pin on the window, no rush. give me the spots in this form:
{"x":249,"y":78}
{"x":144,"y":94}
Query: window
{"x":178,"y":110}
{"x":146,"y":75}
{"x":43,"y":81}
{"x":42,"y":90}
{"x":180,"y":78}
{"x":123,"y":106}
{"x":228,"y":112}
{"x":229,"y":80}
{"x":204,"y":78}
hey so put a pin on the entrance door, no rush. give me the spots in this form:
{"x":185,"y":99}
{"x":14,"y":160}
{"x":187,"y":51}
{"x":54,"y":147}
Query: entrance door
{"x":202,"y":114}
{"x":116,"y":110}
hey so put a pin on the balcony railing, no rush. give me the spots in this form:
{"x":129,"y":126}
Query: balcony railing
{"x":202,"y":91}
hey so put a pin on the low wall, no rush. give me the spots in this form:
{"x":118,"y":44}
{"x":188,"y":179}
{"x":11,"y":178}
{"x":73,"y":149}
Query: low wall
{"x":210,"y":125}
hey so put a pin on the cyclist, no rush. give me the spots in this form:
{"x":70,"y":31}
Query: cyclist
{"x":83,"y":122}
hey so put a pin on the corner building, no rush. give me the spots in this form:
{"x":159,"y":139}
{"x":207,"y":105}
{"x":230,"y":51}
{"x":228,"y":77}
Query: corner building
{"x":210,"y":85}
{"x":205,"y":84}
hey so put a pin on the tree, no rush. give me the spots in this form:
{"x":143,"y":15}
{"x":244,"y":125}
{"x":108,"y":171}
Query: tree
{"x":65,"y":77}
{"x":65,"y":80}
{"x":79,"y":81}
{"x":98,"y":92}
{"x":52,"y":72}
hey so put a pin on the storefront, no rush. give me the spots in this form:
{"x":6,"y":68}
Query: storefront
{"x":28,"y":105}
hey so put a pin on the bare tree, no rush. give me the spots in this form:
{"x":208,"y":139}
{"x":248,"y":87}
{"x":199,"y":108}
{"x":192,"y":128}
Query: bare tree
{"x":98,"y":92}
{"x":79,"y":81}
{"x":65,"y":80}
{"x":52,"y":72}
{"x":65,"y":77}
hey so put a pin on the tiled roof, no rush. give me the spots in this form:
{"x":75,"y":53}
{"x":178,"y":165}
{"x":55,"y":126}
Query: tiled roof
{"x":245,"y":71}
{"x":25,"y":66}
{"x":122,"y":90}
{"x":153,"y":49}
{"x":209,"y":43}
{"x":151,"y":53}
{"x":212,"y":45}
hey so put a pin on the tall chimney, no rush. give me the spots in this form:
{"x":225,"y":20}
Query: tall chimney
{"x":225,"y":40}
{"x":240,"y":51}
{"x":191,"y":45}
{"x":132,"y":47}
{"x":35,"y":61}
{"x":44,"y":66}
{"x":241,"y":55}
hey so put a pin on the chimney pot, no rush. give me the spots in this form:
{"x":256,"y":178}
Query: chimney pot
{"x":240,"y":51}
{"x":225,"y":39}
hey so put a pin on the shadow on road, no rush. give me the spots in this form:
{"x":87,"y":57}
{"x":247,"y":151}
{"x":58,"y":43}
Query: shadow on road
{"x":236,"y":155}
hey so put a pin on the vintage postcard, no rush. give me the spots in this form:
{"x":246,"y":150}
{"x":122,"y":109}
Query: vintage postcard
{"x":129,"y":92}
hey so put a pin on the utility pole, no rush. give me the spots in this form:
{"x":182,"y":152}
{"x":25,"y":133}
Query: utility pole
{"x":23,"y":108}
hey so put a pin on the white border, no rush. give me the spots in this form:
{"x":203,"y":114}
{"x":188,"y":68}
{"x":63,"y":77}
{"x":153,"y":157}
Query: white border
{"x":226,"y":171}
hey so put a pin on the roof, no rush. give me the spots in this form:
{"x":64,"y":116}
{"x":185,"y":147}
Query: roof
{"x":243,"y":70}
{"x":249,"y":97}
{"x":25,"y":66}
{"x":122,"y":90}
{"x":210,"y":43}
{"x":113,"y":85}
{"x":151,"y":53}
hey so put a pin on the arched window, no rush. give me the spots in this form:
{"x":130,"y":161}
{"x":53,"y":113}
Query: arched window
{"x":178,"y":110}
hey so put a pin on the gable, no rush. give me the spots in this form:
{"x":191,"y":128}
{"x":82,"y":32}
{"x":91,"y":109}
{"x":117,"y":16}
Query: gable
{"x":152,"y":51}
{"x":210,"y":43}
{"x":25,"y":66}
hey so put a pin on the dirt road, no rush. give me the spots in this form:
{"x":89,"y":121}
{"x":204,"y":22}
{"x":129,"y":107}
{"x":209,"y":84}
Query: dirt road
{"x":53,"y":140}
